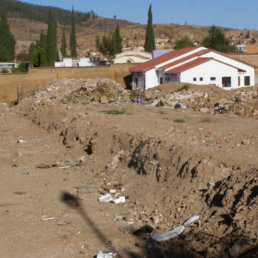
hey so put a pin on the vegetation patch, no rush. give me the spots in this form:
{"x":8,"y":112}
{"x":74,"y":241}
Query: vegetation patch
{"x":179,"y":121}
{"x":113,"y":112}
{"x":184,"y":87}
{"x":162,"y":112}
{"x":205,"y":120}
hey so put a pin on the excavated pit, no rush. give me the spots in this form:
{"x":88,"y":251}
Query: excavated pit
{"x":170,"y":171}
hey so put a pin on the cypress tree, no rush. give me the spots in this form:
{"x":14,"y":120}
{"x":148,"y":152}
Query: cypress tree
{"x":7,"y":41}
{"x":51,"y":50}
{"x":149,"y":45}
{"x":42,"y":40}
{"x":31,"y":50}
{"x":64,"y":45}
{"x":117,"y":41}
{"x":73,"y":38}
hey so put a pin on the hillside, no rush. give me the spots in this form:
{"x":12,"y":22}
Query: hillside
{"x":28,"y":20}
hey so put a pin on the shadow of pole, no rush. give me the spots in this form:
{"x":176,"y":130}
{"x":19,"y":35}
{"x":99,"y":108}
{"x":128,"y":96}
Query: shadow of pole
{"x":73,"y":202}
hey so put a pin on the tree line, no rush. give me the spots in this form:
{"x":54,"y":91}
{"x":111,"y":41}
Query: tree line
{"x":44,"y":52}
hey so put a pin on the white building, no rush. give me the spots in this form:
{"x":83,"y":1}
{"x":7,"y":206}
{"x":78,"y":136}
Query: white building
{"x":7,"y":66}
{"x":196,"y":65}
{"x":77,"y":62}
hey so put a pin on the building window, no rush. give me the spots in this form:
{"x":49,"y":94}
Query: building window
{"x":194,"y":79}
{"x":226,"y":81}
{"x":213,"y":78}
{"x":247,"y":80}
{"x":201,"y":79}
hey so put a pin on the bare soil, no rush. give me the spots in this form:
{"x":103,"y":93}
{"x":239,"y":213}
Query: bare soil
{"x":169,"y":164}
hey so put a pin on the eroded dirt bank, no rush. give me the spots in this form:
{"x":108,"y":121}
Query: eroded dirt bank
{"x":169,"y":164}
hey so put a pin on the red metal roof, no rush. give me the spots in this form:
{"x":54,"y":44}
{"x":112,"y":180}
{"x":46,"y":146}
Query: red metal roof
{"x":161,"y":59}
{"x":196,"y":62}
{"x":197,"y":54}
{"x":189,"y":65}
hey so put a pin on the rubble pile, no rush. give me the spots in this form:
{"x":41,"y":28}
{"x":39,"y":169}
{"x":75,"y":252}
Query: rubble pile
{"x":82,"y":91}
{"x":243,"y":102}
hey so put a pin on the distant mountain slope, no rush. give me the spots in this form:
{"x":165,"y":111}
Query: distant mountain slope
{"x":40,"y":13}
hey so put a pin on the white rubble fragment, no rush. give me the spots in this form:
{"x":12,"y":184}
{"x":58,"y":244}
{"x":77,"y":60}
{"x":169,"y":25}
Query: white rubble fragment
{"x":119,"y":200}
{"x":191,"y":220}
{"x":106,"y":198}
{"x":170,"y":234}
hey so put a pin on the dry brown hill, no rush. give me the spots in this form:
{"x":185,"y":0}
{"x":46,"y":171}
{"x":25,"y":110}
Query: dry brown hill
{"x":133,"y":34}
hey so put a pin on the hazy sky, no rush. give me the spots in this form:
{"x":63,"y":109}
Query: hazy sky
{"x":227,"y":13}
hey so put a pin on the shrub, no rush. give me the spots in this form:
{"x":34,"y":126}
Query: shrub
{"x":22,"y":68}
{"x":113,"y":112}
{"x":184,"y":87}
{"x":5,"y":70}
{"x":179,"y":121}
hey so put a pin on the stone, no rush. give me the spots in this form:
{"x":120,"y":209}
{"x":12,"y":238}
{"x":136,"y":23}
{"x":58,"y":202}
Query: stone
{"x":104,"y":100}
{"x":204,"y":110}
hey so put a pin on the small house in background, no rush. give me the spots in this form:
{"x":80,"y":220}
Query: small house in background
{"x":156,"y":53}
{"x":195,"y":65}
{"x":132,"y":56}
{"x":7,"y":67}
{"x":78,"y":62}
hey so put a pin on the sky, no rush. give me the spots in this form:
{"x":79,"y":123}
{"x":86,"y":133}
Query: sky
{"x":226,"y":13}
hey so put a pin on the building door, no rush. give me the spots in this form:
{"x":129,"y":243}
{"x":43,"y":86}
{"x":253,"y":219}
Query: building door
{"x":226,"y":81}
{"x":161,"y":80}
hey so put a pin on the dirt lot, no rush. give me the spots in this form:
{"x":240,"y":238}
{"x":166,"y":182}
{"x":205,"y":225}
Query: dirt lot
{"x":59,"y":154}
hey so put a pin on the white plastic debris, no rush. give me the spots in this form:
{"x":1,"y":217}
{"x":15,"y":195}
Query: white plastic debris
{"x":106,"y":254}
{"x":119,"y":200}
{"x":106,"y":198}
{"x":62,"y":223}
{"x":170,"y":234}
{"x":191,"y":220}
{"x":45,"y":218}
{"x":112,"y":190}
{"x":21,"y":141}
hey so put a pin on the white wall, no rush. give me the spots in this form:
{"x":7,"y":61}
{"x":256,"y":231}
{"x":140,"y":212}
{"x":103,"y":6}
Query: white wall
{"x":249,"y":69}
{"x":151,"y":79}
{"x":211,"y":69}
{"x":85,"y":62}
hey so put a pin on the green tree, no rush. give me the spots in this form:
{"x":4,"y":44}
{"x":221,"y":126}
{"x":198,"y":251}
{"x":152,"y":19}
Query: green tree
{"x":218,"y":41}
{"x":64,"y":44}
{"x":42,"y":42}
{"x":117,"y":41}
{"x":51,"y":49}
{"x":182,"y":43}
{"x":32,"y":49}
{"x":7,"y":41}
{"x":39,"y":57}
{"x":4,"y":55}
{"x":149,"y":45}
{"x":106,"y":47}
{"x":73,"y":38}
